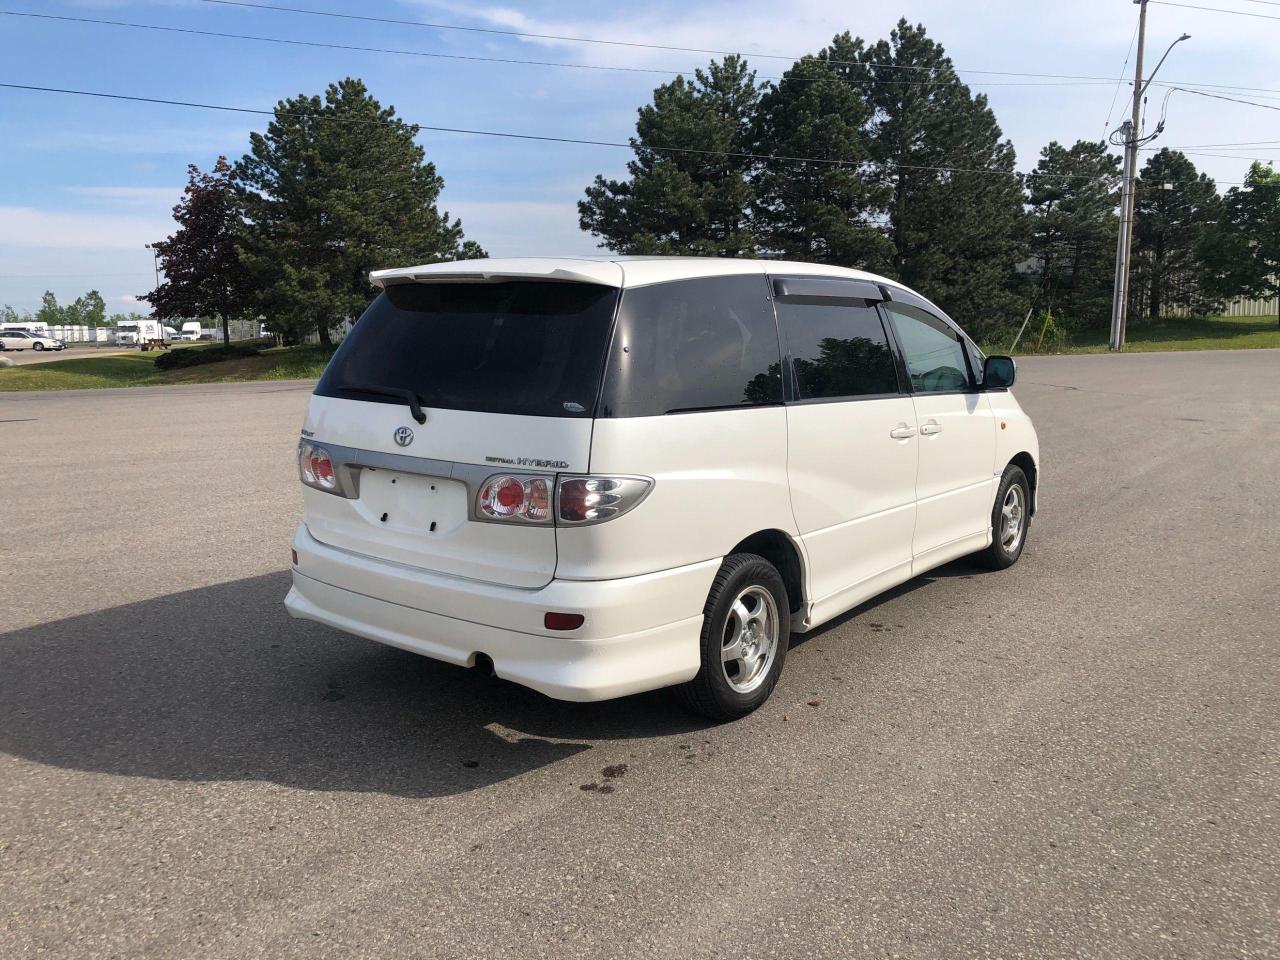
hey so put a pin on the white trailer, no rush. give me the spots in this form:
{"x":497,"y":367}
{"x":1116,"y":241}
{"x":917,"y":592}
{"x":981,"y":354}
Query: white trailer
{"x":38,"y":327}
{"x":142,"y":333}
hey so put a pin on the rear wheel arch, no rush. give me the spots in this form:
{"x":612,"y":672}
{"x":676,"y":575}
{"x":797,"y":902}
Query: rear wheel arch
{"x":779,"y":549}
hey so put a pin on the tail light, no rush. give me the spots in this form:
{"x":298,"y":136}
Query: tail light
{"x":508,"y":497}
{"x":583,"y":500}
{"x":578,"y":500}
{"x":316,"y":468}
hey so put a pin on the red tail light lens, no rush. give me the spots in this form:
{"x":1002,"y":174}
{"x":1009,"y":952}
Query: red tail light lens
{"x":507,"y":497}
{"x":322,"y":468}
{"x":316,"y":468}
{"x":568,"y":500}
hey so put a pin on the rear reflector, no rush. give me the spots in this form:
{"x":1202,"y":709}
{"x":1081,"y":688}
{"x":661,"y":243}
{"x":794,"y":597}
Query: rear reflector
{"x":295,"y":557}
{"x":563,"y":621}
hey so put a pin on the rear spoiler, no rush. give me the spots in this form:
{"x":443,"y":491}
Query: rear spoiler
{"x":494,"y":271}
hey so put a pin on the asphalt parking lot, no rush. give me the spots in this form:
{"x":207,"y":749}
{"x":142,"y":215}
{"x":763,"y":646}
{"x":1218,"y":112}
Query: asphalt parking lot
{"x":1077,"y":757}
{"x":74,"y":352}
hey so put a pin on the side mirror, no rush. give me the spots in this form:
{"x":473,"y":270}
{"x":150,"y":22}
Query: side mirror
{"x":998,"y":373}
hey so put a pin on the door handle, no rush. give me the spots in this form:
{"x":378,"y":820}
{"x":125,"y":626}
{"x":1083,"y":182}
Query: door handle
{"x":902,"y":432}
{"x":930,"y":427}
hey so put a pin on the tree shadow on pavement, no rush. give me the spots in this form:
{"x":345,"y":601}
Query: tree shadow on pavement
{"x":220,"y":684}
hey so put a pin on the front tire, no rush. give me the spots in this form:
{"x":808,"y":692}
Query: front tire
{"x":1010,"y":520}
{"x":38,"y":347}
{"x":746,"y":629}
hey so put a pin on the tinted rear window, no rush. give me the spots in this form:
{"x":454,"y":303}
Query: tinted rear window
{"x":688,"y":345}
{"x":524,"y":347}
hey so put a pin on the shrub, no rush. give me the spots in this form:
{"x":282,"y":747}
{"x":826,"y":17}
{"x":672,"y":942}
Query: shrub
{"x":196,"y":356}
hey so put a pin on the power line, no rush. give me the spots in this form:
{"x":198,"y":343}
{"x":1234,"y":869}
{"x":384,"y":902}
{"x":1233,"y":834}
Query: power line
{"x":1119,"y":82}
{"x":1218,"y":96}
{"x":1238,"y":13}
{"x":1242,"y":143}
{"x":280,"y":8}
{"x":470,"y":57}
{"x":742,"y":155}
{"x":1061,"y":79}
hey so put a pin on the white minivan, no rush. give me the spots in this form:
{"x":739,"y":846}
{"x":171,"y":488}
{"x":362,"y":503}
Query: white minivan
{"x":599,"y":476}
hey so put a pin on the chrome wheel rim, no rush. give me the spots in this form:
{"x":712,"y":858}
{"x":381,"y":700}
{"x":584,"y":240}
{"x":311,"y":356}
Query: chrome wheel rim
{"x":750,"y":640}
{"x":1012,"y":519}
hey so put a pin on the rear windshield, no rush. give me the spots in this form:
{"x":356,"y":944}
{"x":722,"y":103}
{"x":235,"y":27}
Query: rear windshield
{"x":522,"y":347}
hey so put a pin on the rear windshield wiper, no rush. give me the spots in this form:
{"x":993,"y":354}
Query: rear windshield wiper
{"x":408,"y":396}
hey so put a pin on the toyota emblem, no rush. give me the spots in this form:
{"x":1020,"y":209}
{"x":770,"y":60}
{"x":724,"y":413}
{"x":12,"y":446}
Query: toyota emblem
{"x":403,"y":436}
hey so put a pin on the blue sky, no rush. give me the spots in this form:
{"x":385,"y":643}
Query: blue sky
{"x":85,"y":183}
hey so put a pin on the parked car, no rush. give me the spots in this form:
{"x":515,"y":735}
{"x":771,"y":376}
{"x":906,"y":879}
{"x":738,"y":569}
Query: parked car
{"x":604,"y":476}
{"x":23,"y":340}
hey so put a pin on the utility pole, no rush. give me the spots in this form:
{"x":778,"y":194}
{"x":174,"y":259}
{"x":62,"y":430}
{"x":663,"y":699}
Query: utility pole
{"x":1132,"y":131}
{"x":1120,"y":293}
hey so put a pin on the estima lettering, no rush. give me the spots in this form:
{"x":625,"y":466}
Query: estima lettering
{"x":736,"y":451}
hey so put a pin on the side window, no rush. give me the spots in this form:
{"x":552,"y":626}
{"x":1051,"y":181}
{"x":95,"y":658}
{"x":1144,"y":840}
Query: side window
{"x":839,"y":349}
{"x":689,"y":345}
{"x":934,"y":352}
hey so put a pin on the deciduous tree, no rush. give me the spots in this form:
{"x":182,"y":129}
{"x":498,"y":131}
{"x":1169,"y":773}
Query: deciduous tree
{"x":203,"y":275}
{"x":49,"y":311}
{"x":89,"y":310}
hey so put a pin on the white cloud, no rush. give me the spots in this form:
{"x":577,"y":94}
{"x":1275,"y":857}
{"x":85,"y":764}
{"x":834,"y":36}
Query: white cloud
{"x":150,"y":198}
{"x":32,"y":227}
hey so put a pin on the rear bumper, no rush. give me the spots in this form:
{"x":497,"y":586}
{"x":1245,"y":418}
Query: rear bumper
{"x":639,"y":633}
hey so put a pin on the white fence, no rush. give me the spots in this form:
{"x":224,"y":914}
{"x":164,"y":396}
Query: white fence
{"x":1240,"y":307}
{"x":77,"y":333}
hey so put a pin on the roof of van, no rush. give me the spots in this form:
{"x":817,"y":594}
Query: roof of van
{"x":612,"y":271}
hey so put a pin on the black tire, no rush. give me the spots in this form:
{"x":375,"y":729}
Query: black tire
{"x":37,"y":346}
{"x":712,"y":693}
{"x":998,"y":556}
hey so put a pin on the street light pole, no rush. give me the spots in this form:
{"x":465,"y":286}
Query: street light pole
{"x":1120,"y":292}
{"x":1132,"y":130}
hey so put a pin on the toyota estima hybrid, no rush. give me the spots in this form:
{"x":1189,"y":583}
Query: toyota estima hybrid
{"x":603,"y":476}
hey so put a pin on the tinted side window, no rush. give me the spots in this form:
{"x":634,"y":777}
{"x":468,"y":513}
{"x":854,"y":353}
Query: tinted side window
{"x":691,"y":345}
{"x":838,"y":349}
{"x":934,"y":352}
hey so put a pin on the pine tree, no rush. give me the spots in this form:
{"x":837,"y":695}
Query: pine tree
{"x":203,"y":275}
{"x":955,"y":211}
{"x":335,"y":187}
{"x":1241,"y":255}
{"x":812,"y":209}
{"x":1073,"y":200}
{"x":683,"y":203}
{"x":1173,"y":209}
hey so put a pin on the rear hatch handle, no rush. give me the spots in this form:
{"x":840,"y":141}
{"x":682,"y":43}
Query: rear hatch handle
{"x":408,"y":396}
